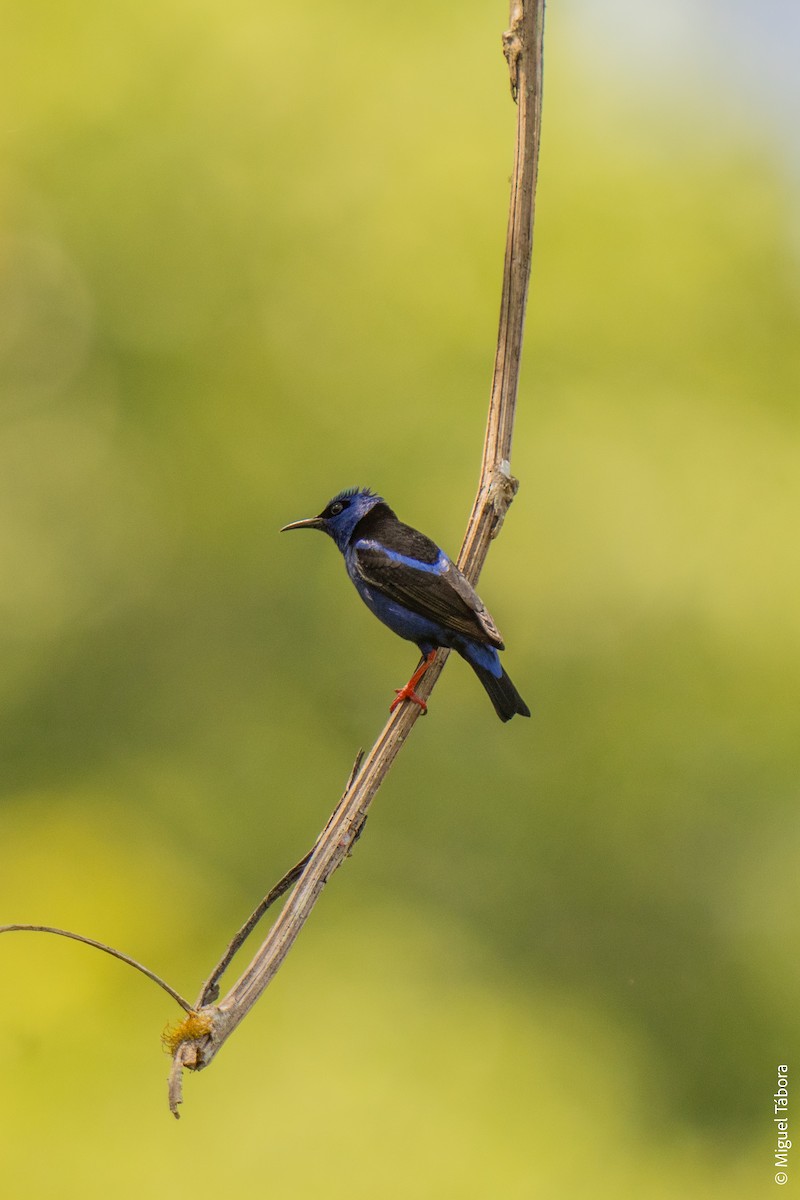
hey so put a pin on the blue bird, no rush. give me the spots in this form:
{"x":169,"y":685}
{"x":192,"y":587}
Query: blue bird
{"x":414,"y":588}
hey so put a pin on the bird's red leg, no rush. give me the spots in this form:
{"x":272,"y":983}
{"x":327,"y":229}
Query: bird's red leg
{"x":408,"y":693}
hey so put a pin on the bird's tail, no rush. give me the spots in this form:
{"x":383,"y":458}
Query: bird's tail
{"x":502,"y":693}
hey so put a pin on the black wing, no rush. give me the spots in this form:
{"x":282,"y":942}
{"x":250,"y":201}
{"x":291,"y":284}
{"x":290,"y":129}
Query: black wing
{"x":435,"y":588}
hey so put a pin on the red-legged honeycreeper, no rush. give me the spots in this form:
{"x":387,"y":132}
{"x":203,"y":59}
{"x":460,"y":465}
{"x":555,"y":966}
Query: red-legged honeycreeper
{"x":414,"y":588}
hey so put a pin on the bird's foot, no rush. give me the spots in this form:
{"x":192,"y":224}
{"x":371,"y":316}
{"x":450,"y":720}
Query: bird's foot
{"x":407,"y":693}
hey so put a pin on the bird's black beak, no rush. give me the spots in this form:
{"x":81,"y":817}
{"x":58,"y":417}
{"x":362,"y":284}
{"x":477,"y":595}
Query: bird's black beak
{"x":309,"y":523}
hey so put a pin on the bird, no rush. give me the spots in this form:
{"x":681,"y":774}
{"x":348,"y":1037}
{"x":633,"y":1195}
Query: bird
{"x":414,"y":588}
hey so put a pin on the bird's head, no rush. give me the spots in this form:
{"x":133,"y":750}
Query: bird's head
{"x":340,"y":515}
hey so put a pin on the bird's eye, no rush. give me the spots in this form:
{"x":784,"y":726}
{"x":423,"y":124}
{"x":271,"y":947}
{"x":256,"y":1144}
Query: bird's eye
{"x":336,"y":509}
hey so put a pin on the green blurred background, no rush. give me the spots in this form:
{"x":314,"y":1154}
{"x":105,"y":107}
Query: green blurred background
{"x":250,"y":255}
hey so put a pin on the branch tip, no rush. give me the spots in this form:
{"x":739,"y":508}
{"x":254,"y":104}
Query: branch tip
{"x":192,"y":1028}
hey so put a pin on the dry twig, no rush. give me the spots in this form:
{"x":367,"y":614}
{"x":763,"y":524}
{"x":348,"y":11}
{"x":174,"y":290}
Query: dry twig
{"x":200,"y":1037}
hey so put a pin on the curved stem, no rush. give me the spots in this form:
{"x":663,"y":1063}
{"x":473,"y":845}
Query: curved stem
{"x":87,"y":941}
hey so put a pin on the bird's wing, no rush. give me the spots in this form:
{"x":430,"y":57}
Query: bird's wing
{"x":423,"y":579}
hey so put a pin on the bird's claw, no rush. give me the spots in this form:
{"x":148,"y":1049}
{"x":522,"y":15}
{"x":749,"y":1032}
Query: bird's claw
{"x":407,"y":693}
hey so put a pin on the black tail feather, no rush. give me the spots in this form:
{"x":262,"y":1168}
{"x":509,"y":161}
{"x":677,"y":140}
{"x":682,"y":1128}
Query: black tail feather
{"x":502,"y":693}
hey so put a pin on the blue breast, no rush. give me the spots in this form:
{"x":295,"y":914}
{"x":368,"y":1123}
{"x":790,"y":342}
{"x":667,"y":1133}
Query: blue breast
{"x":401,"y":620}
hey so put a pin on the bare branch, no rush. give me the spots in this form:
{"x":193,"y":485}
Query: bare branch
{"x":210,"y":990}
{"x":201,"y":1036}
{"x":87,"y":941}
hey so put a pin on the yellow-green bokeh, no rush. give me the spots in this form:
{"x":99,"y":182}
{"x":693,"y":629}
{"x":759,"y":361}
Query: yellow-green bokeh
{"x":250,"y":255}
